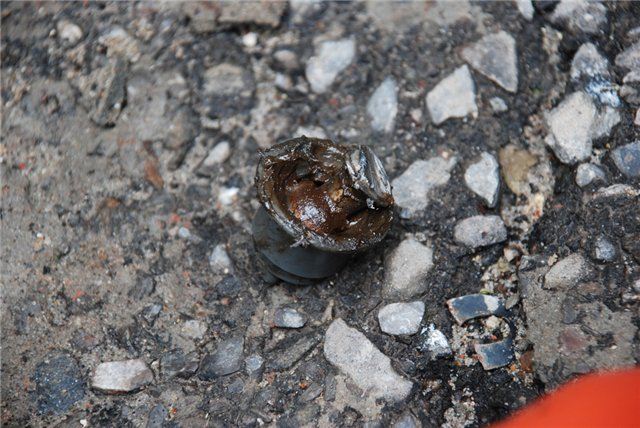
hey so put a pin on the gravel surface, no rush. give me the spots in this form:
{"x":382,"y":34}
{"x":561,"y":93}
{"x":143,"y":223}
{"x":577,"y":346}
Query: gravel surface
{"x":131,"y":290}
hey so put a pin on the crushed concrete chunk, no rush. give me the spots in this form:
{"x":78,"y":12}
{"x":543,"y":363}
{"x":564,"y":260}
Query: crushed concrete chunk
{"x":401,"y":318}
{"x":406,"y":268}
{"x":354,"y":355}
{"x":495,"y":57}
{"x":121,"y":376}
{"x":453,"y":97}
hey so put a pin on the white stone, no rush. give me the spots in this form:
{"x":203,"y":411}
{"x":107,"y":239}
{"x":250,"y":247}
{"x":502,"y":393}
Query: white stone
{"x":331,"y":58}
{"x":436,"y":342}
{"x":495,"y":56}
{"x":218,"y":154}
{"x":604,"y":250}
{"x":311,"y":132}
{"x":355,"y":356}
{"x":498,"y":105}
{"x":228,"y":195}
{"x":570,"y":124}
{"x":453,"y":97}
{"x":483,"y":178}
{"x":194,"y":329}
{"x":250,"y":39}
{"x":480,"y":231}
{"x":630,"y":57}
{"x":401,"y":318}
{"x":588,"y":62}
{"x":525,"y":7}
{"x":588,"y":173}
{"x":580,"y":15}
{"x":383,"y":106}
{"x":411,"y":189}
{"x":567,"y":272}
{"x":121,"y":376}
{"x":406,"y":268}
{"x":119,"y":42}
{"x":69,"y":32}
{"x":219,"y":260}
{"x":223,"y":79}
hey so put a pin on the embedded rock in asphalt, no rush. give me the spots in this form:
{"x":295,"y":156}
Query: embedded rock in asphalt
{"x":401,"y":318}
{"x":570,"y":124}
{"x":288,"y":318}
{"x":627,"y":159}
{"x":110,"y":97}
{"x":435,"y":343}
{"x":588,"y":62}
{"x":411,"y":189}
{"x":580,"y":16}
{"x":480,"y":231}
{"x":331,"y":58}
{"x":604,"y":250}
{"x":588,"y":173}
{"x":406,"y":268}
{"x":225,"y":360}
{"x":453,"y":97}
{"x":630,"y":57}
{"x":224,"y":79}
{"x":219,"y":260}
{"x":58,"y":383}
{"x":354,"y":355}
{"x":483,"y":178}
{"x":525,"y":7}
{"x":498,"y":105}
{"x":383,"y":106}
{"x":568,"y":272}
{"x":495,"y":57}
{"x":121,"y":376}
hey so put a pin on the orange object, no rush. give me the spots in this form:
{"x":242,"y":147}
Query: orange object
{"x":595,"y":400}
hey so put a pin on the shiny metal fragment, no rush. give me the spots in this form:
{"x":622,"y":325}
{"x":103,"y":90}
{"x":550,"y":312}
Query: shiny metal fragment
{"x":472,"y":306}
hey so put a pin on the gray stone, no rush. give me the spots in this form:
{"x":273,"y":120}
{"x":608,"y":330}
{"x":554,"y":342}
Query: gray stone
{"x":604,"y":250}
{"x":588,"y":173}
{"x":525,"y":7}
{"x":588,"y":62}
{"x":219,"y":260}
{"x":406,"y":268}
{"x":630,"y":57}
{"x":175,"y":363}
{"x":401,"y":318}
{"x":109,"y":100}
{"x":453,"y":97}
{"x":495,"y":57}
{"x":225,"y":360}
{"x":407,"y":420}
{"x":218,"y":154}
{"x":253,"y":364}
{"x":570,"y":124}
{"x":287,"y":59}
{"x":224,"y":79}
{"x":58,"y":383}
{"x":480,"y":231}
{"x":157,"y":416}
{"x":119,"y":43}
{"x":383,"y":106}
{"x":483,"y":178}
{"x":193,"y":329}
{"x":206,"y":17}
{"x":331,"y":58}
{"x":580,"y":16}
{"x":627,"y":159}
{"x":121,"y":376}
{"x":289,"y":318}
{"x":310,"y":131}
{"x":354,"y":355}
{"x":412,"y":188}
{"x":289,"y":352}
{"x":435,"y":342}
{"x":498,"y":105}
{"x":69,"y":32}
{"x":568,"y":272}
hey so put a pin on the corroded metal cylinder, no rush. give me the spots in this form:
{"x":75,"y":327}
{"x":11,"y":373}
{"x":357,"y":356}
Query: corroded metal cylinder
{"x":322,"y":203}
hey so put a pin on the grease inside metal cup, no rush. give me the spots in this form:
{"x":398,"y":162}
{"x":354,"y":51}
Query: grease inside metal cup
{"x":321,"y":203}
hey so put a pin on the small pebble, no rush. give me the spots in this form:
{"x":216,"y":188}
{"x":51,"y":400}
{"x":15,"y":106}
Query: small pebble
{"x":288,"y":318}
{"x":383,"y":106}
{"x":253,"y":364}
{"x":627,"y":159}
{"x":436,"y":342}
{"x":498,"y":105}
{"x":331,"y":58}
{"x":604,"y":250}
{"x":218,"y":154}
{"x":453,"y":97}
{"x":69,"y":32}
{"x":121,"y":376}
{"x":588,"y":173}
{"x":480,"y":231}
{"x":483,"y":178}
{"x":401,"y":318}
{"x":406,"y":268}
{"x":495,"y":57}
{"x":567,"y":272}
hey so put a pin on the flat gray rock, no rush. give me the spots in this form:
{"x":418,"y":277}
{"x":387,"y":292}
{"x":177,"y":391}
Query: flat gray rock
{"x":627,"y":159}
{"x":483,"y":178}
{"x":567,"y":272}
{"x":480,"y":231}
{"x":588,"y":173}
{"x":525,"y":7}
{"x":630,"y":57}
{"x":383,"y":106}
{"x":580,"y":16}
{"x":498,"y":105}
{"x":411,"y":189}
{"x":495,"y":57}
{"x":406,"y":267}
{"x":330,"y":59}
{"x":570,"y":124}
{"x":401,"y":318}
{"x":289,"y":318}
{"x":354,"y":355}
{"x":224,"y":79}
{"x":225,"y":360}
{"x":453,"y":97}
{"x":121,"y":376}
